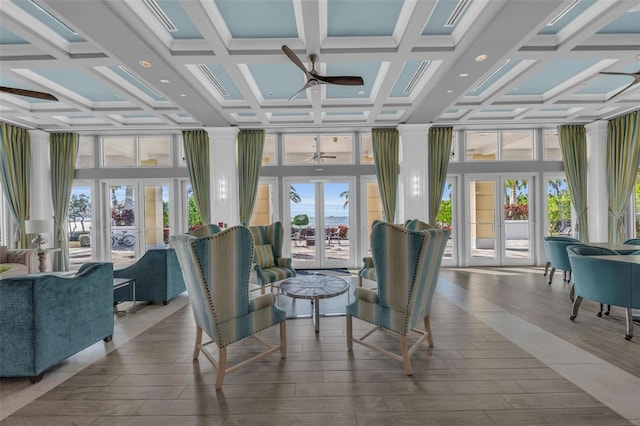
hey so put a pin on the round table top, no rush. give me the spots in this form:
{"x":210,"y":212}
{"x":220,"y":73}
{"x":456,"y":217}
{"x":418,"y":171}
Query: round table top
{"x":314,"y":286}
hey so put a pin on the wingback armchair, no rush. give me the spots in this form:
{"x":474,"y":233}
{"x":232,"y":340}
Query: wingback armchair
{"x":368,"y":269}
{"x":407,"y":267}
{"x":216,"y":269}
{"x":269,"y":266}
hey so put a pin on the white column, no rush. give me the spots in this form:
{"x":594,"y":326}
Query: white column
{"x":412,"y":191}
{"x":224,"y":175}
{"x":597,"y":192}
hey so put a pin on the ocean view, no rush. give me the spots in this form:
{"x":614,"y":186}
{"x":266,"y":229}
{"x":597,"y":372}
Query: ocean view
{"x":330,"y":221}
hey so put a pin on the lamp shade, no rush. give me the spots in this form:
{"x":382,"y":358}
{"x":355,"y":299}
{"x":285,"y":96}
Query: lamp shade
{"x":38,"y":226}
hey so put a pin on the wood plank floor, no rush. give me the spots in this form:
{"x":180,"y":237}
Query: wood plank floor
{"x":473,"y":375}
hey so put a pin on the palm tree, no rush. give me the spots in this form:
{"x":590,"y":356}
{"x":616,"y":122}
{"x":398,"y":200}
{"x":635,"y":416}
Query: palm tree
{"x":293,"y":195}
{"x":345,"y":195}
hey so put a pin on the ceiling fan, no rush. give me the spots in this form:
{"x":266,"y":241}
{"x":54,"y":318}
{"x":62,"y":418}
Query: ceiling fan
{"x":313,"y":78}
{"x":315,"y":157}
{"x":28,"y":93}
{"x":635,"y":75}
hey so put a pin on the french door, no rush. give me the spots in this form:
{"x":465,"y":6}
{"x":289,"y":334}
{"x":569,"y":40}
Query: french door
{"x":138,"y":218}
{"x":499,"y":227}
{"x":321,"y":218}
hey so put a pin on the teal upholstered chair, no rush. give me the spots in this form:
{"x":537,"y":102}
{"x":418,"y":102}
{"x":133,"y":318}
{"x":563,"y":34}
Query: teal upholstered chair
{"x":158,"y":277}
{"x":586,"y":250}
{"x":368,"y":269}
{"x":269,"y":266}
{"x":605,"y":281}
{"x":557,"y":258}
{"x":407,"y":266}
{"x":633,"y":241}
{"x":216,"y":270}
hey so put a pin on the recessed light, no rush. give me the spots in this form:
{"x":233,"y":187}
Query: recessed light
{"x":145,"y":64}
{"x":464,"y":74}
{"x":183,"y":95}
{"x":450,"y":91}
{"x":481,"y":58}
{"x":361,"y":92}
{"x":165,"y":81}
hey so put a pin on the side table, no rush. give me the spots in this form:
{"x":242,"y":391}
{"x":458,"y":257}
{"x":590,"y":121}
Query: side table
{"x":42,"y":256}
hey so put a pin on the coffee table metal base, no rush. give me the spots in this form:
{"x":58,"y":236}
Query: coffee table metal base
{"x":314,"y":287}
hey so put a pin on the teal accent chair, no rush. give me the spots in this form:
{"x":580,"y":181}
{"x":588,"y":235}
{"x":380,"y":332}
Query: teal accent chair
{"x":158,"y":277}
{"x":557,"y":258}
{"x":273,"y":267}
{"x":586,"y":250}
{"x":216,"y":270}
{"x":407,"y":264}
{"x":368,"y":269}
{"x":605,"y":281}
{"x":633,"y":241}
{"x":46,"y":318}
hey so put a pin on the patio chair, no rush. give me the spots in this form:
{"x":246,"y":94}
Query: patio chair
{"x":407,"y":267}
{"x":216,"y":270}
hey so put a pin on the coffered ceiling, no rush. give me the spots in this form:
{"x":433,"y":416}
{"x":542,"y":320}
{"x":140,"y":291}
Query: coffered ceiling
{"x":173,"y":64}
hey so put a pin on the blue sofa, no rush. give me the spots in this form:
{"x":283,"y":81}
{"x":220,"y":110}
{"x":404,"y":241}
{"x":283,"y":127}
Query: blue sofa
{"x":158,"y":277}
{"x":46,"y":318}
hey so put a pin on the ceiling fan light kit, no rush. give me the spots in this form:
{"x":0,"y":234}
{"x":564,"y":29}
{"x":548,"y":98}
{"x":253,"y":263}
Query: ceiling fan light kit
{"x":313,"y":78}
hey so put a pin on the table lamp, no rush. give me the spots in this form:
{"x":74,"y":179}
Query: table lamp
{"x":39,"y":227}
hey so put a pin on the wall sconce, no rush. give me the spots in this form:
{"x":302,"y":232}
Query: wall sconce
{"x":222,"y":189}
{"x":415,"y":186}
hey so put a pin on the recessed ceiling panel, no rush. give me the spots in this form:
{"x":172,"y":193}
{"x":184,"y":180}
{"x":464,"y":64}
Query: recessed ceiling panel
{"x":606,"y":83}
{"x":7,"y":37}
{"x":552,"y":75}
{"x":51,"y":21}
{"x":278,"y":81}
{"x":184,"y":28}
{"x":368,"y":72}
{"x":224,"y":85}
{"x":259,"y":18}
{"x":10,"y":83}
{"x":445,"y":17}
{"x":629,"y":23}
{"x":566,"y":16}
{"x":403,"y":88}
{"x":360,"y":18}
{"x":126,"y":74}
{"x":79,"y":83}
{"x":501,"y":70}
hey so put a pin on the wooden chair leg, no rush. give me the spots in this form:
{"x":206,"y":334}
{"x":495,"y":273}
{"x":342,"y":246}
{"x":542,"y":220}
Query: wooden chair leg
{"x":35,"y":379}
{"x":404,"y":350}
{"x":427,"y":329}
{"x":196,"y":349}
{"x":222,"y":365}
{"x":283,"y":339}
{"x":349,"y":332}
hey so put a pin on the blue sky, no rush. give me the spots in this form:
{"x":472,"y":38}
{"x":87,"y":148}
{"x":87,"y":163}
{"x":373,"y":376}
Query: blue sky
{"x":334,"y":204}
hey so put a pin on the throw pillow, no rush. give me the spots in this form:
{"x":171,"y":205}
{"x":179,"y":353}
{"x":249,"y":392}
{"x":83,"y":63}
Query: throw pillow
{"x":264,"y":256}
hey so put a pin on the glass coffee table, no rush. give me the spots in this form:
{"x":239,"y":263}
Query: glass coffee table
{"x":314,"y":287}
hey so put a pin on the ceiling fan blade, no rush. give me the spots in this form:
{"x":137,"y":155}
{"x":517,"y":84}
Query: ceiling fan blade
{"x":633,"y":83}
{"x":292,"y":56}
{"x":28,"y":93}
{"x":305,"y":87}
{"x":630,"y":74}
{"x":345,"y":80}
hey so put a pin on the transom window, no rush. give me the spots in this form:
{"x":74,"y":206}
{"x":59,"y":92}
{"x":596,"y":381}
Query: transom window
{"x":133,"y":151}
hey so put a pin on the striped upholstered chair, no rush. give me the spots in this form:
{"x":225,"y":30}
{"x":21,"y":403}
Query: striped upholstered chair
{"x":269,"y":266}
{"x":216,"y":271}
{"x":407,"y":267}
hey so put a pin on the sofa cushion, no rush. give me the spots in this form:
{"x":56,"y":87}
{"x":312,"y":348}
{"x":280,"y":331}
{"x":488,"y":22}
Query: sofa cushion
{"x":15,"y":269}
{"x":264,"y":256}
{"x":3,"y":254}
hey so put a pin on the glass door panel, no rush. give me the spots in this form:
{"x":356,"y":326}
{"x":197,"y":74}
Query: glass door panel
{"x":336,"y":223}
{"x":302,"y":208}
{"x":123,"y":228}
{"x":445,"y":218}
{"x":517,"y":236}
{"x":482,"y":222}
{"x":80,"y":226}
{"x":558,"y":208}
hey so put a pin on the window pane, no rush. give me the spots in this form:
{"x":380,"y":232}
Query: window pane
{"x":366,"y":149}
{"x":155,"y":151}
{"x":335,"y":149}
{"x":300,"y":149}
{"x":193,"y":215}
{"x":481,"y":146}
{"x":79,"y":227}
{"x":517,"y":145}
{"x":85,"y":153}
{"x":552,"y":146}
{"x":118,"y":152}
{"x":269,"y":152}
{"x":446,"y":215}
{"x":558,"y":208}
